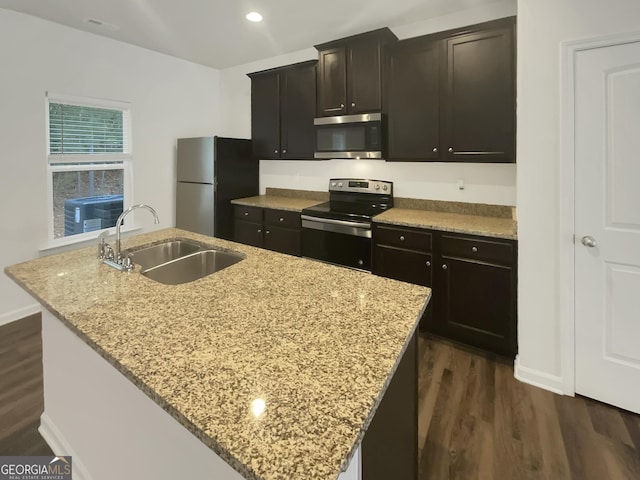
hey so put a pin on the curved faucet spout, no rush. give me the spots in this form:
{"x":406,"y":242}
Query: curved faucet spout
{"x":121,"y":218}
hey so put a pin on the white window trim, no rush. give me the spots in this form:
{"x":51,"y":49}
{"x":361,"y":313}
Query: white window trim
{"x":68,"y":163}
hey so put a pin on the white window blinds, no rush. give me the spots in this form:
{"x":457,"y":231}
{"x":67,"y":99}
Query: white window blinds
{"x":84,"y":132}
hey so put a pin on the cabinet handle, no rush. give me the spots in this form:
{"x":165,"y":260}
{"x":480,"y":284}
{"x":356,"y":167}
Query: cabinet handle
{"x":284,"y":150}
{"x":402,"y":238}
{"x":427,"y":263}
{"x":267,"y":232}
{"x":474,"y":249}
{"x":444,"y":266}
{"x":360,"y":262}
{"x":353,"y":104}
{"x":281,"y":219}
{"x":342,"y":105}
{"x":259,"y":230}
{"x":435,"y":150}
{"x":246,"y":214}
{"x":275,"y":151}
{"x":450,"y":149}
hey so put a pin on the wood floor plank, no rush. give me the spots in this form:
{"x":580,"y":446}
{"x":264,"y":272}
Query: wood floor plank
{"x":607,"y":422}
{"x":436,"y":457}
{"x":436,"y":356}
{"x":27,"y":441}
{"x":632,"y":422}
{"x":583,"y":450}
{"x":554,"y":456}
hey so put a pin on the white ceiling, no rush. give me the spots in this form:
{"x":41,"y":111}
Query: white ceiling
{"x":216,"y":33}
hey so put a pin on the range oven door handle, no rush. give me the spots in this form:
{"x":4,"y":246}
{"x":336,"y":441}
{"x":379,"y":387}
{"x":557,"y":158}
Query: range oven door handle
{"x":357,"y":229}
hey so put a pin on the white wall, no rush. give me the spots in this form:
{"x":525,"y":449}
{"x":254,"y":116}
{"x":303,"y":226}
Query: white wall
{"x":542,"y":27}
{"x":488,"y":183}
{"x":170,"y":98}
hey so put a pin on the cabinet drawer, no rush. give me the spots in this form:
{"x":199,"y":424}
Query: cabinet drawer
{"x":402,"y":238}
{"x":248,"y":214}
{"x":282,"y":218}
{"x":484,"y":250}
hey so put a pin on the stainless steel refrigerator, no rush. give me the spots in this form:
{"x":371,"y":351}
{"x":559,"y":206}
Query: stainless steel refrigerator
{"x":212,"y":171}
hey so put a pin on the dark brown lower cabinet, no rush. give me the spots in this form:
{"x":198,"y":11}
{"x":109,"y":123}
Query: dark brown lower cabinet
{"x":277,"y":230}
{"x":476,"y":293}
{"x":283,"y":240}
{"x":473,"y":280}
{"x":404,"y":254}
{"x":390,"y":445}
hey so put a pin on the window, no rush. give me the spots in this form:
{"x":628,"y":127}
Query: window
{"x":89,"y":165}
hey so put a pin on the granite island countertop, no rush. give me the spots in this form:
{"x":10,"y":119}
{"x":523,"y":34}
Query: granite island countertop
{"x":306,"y":337}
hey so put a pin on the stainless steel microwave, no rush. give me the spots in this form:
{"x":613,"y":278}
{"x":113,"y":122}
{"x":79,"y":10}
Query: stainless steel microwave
{"x":350,"y":136}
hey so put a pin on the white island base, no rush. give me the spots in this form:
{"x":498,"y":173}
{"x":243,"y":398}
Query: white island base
{"x":111,"y":428}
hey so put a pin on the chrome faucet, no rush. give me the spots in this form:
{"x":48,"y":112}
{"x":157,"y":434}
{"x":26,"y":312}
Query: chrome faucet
{"x":113,"y":257}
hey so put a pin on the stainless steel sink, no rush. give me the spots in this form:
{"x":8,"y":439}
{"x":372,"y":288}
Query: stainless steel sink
{"x":191,"y":267}
{"x":165,"y":252}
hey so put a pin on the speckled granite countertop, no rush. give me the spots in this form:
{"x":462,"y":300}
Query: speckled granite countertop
{"x":450,"y":222}
{"x":305,"y":337}
{"x":277,"y":202}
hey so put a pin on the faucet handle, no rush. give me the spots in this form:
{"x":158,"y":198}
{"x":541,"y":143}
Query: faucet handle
{"x":102,"y":245}
{"x":127,"y":264}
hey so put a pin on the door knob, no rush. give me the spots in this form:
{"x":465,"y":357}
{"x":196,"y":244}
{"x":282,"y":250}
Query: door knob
{"x":589,"y":241}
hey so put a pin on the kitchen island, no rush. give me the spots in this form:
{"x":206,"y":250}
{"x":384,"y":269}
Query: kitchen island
{"x":272,"y":368}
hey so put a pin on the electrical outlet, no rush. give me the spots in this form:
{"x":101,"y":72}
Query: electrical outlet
{"x":460,"y":184}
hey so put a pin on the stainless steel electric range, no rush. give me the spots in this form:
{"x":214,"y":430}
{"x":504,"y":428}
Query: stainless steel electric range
{"x":339,"y":231}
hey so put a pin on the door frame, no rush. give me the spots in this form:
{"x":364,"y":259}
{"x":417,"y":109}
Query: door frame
{"x":569,"y":52}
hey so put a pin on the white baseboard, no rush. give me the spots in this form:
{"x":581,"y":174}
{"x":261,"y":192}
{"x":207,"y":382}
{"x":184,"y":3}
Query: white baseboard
{"x":19,"y":313}
{"x":60,"y":446}
{"x":539,"y":379}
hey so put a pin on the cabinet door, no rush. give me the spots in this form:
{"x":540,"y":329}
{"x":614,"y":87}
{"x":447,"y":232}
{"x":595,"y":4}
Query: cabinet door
{"x":248,"y":233}
{"x":479,"y":103}
{"x":406,"y":266}
{"x":265,"y":116}
{"x":363,"y":77}
{"x":476,"y":303}
{"x":298,"y":108}
{"x":332,"y":82}
{"x":412,"y":101}
{"x":403,"y":265}
{"x":284,"y":240}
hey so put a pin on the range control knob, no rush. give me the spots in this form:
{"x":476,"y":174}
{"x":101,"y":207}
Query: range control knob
{"x":333,"y":184}
{"x":377,"y":187}
{"x":384,"y":187}
{"x":340,"y":184}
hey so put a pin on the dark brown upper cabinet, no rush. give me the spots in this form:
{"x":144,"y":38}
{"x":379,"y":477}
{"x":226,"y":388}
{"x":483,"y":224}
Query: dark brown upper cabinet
{"x":450,"y":96}
{"x":412,"y":100}
{"x":479,"y":94}
{"x":283,"y":103}
{"x":350,"y":75}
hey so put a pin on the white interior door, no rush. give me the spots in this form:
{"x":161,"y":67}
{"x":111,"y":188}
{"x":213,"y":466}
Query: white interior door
{"x":607,"y":224}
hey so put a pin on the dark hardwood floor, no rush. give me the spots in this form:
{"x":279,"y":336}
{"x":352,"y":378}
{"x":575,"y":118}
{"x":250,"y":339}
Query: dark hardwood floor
{"x":476,"y":421}
{"x":21,"y":399}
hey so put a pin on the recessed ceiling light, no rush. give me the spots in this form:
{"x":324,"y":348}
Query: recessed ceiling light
{"x":254,"y":17}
